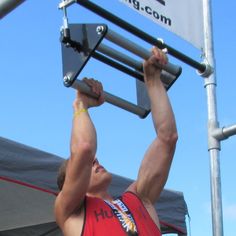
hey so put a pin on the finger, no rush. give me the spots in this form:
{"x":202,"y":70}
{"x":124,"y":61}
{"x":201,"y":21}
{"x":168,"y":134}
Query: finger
{"x":156,"y":52}
{"x":88,"y":81}
{"x":99,"y":88}
{"x":85,"y":79}
{"x":157,"y":58}
{"x":96,"y":87}
{"x":162,"y":58}
{"x":165,"y":58}
{"x":153,"y":50}
{"x":101,"y":98}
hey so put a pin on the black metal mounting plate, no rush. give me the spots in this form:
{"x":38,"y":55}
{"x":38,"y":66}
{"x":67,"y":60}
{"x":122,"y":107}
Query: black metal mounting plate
{"x":73,"y":60}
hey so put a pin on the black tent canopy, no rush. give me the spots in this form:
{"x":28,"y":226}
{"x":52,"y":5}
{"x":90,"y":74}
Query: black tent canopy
{"x":28,"y":190}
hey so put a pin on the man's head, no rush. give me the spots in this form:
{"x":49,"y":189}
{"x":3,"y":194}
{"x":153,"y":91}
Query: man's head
{"x":99,"y":179}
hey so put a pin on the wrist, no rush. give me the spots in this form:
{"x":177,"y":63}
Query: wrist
{"x":79,"y":112}
{"x":152,"y":81}
{"x":79,"y":105}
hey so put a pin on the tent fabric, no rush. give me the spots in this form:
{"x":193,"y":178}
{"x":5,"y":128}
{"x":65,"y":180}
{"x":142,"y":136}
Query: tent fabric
{"x":28,"y":190}
{"x":47,"y":229}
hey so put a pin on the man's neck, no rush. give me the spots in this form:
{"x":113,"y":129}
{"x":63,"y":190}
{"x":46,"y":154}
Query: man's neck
{"x":102,"y":195}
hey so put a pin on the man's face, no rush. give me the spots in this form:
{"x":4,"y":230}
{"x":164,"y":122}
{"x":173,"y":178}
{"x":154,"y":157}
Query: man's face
{"x":100,"y":178}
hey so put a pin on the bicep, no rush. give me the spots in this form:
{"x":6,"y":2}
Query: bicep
{"x":154,"y":170}
{"x":76,"y":183}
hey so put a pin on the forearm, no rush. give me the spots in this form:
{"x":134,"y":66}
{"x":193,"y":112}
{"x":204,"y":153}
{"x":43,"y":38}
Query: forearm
{"x":158,"y":157}
{"x":156,"y":163}
{"x":83,"y":130}
{"x":162,"y":114}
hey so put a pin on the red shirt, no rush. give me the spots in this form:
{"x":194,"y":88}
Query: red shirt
{"x":100,"y":219}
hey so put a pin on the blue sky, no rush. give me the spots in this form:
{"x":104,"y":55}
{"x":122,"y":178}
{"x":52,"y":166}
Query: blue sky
{"x":36,"y":108}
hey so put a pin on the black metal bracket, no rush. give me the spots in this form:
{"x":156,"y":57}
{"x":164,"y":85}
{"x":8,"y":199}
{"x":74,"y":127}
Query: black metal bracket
{"x":77,"y":48}
{"x":80,"y":42}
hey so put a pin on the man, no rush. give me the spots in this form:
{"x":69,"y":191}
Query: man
{"x":83,"y":206}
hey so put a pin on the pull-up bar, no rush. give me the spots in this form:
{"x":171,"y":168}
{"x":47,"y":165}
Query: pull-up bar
{"x":139,"y":33}
{"x":110,"y":98}
{"x":115,"y":54}
{"x":167,"y":78}
{"x":137,"y":65}
{"x":138,"y":50}
{"x":80,"y":42}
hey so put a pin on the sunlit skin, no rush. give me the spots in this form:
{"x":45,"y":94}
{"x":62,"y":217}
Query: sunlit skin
{"x":100,"y":179}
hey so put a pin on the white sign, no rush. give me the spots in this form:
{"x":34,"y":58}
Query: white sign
{"x":182,"y":17}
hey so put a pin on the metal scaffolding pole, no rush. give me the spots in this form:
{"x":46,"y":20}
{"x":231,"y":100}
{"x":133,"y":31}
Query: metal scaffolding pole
{"x":213,"y":124}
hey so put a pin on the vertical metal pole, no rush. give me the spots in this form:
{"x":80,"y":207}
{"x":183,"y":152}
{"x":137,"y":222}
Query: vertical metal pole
{"x":213,"y":143}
